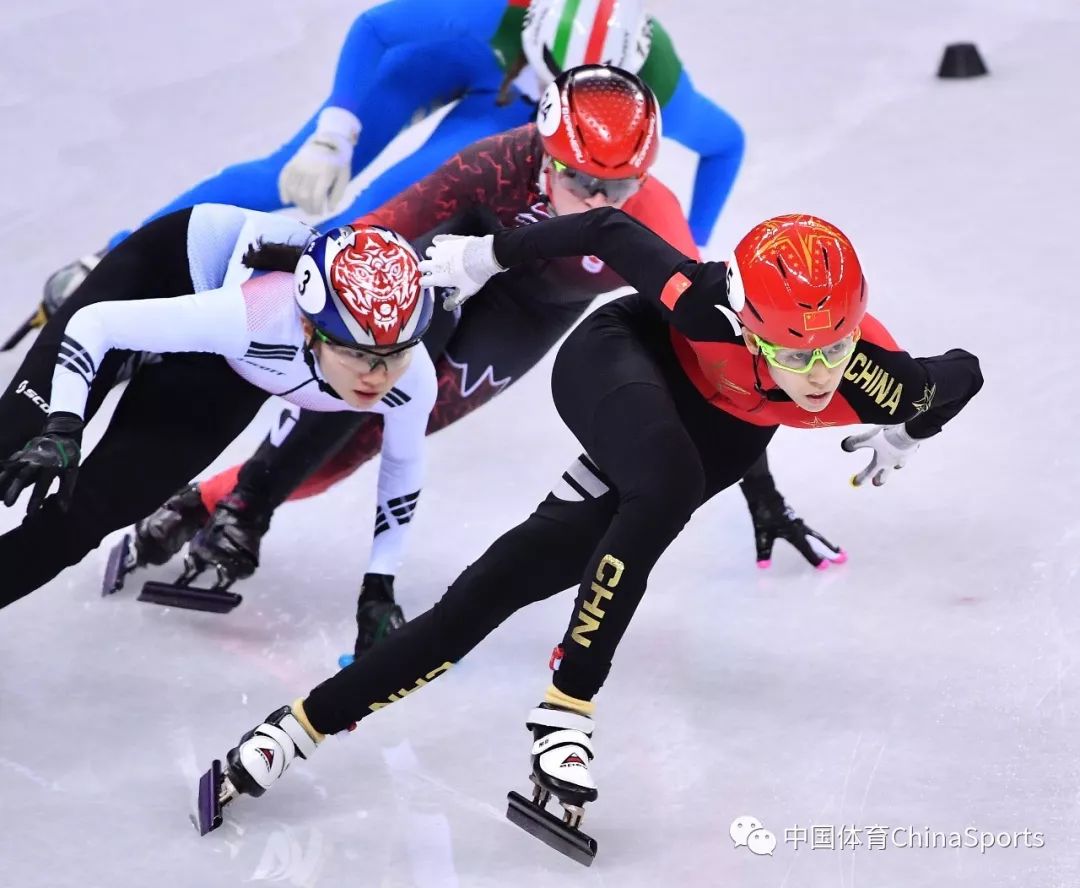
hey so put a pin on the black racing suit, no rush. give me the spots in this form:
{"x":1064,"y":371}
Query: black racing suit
{"x":658,"y":443}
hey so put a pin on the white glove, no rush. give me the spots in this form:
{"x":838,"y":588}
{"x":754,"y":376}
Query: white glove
{"x":892,"y":447}
{"x":462,"y":263}
{"x":316,"y":176}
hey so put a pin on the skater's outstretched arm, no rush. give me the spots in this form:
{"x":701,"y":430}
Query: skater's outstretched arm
{"x":193,"y":323}
{"x":657,"y":208}
{"x":211,"y":321}
{"x":639,"y":255}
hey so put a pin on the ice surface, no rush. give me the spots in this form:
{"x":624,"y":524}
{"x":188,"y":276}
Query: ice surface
{"x":931,"y":682}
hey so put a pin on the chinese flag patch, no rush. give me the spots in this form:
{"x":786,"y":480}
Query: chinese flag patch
{"x":677,"y":284}
{"x":816,"y":320}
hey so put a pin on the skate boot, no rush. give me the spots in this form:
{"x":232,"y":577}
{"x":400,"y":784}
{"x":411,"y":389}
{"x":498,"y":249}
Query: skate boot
{"x":58,"y":288}
{"x":254,"y":765}
{"x":228,"y":545}
{"x":377,"y":615}
{"x":561,"y":752}
{"x":156,"y":538}
{"x":61,"y":284}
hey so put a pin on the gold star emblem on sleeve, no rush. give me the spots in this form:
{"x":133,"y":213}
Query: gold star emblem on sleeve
{"x":714,"y":371}
{"x":927,"y":399}
{"x":817,"y":423}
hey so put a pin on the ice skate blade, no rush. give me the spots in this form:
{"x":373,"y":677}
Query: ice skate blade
{"x":116,"y":568}
{"x":37,"y":319}
{"x":215,"y":601}
{"x":210,"y":785}
{"x":550,"y":830}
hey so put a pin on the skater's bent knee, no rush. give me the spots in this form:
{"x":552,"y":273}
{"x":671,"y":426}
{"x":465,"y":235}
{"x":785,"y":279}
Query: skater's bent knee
{"x":672,"y":488}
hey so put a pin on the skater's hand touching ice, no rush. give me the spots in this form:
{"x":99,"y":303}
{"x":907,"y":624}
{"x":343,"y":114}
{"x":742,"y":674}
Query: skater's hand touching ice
{"x":892,"y":447}
{"x":53,"y":454}
{"x":774,"y":520}
{"x":462,"y":263}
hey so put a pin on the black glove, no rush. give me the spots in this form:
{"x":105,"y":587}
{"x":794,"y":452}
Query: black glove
{"x":52,"y":454}
{"x":231,"y":540}
{"x":774,"y":519}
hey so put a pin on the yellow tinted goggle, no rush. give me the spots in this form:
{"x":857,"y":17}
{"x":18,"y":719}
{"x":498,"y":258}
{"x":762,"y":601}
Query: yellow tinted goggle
{"x":802,"y":360}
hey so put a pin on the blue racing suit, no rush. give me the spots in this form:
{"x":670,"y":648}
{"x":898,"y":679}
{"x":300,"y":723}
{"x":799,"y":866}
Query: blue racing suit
{"x":405,"y":59}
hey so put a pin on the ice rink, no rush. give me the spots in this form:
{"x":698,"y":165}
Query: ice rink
{"x":929,"y":684}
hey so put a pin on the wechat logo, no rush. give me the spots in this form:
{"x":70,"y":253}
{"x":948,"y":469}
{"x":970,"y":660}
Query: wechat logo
{"x":747,"y":832}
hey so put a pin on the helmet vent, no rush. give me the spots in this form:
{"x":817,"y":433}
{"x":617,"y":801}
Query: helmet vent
{"x":840,"y":323}
{"x":825,"y":256}
{"x":780,"y":265}
{"x":794,"y":332}
{"x":757,"y":314}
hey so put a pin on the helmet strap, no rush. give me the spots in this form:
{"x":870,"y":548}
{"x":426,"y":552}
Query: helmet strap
{"x":758,"y":387}
{"x":309,"y":359}
{"x":769,"y":394}
{"x":543,"y":184}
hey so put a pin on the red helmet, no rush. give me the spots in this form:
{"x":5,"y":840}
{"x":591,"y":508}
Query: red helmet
{"x":601,"y":121}
{"x":796,"y":282}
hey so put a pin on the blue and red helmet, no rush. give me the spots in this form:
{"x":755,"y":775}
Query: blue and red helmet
{"x":360,"y":287}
